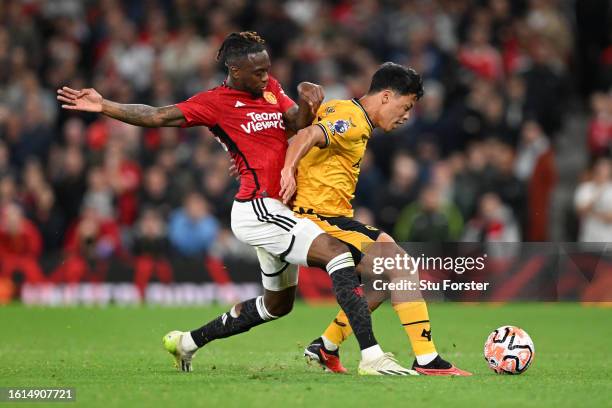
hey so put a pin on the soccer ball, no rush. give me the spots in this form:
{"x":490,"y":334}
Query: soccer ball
{"x":509,"y":350}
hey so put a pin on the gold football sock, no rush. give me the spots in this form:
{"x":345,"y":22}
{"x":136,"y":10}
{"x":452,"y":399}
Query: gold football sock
{"x":339,"y":329}
{"x":415,"y":319}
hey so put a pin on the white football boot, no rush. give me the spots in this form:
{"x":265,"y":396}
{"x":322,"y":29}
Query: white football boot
{"x":383,"y":365}
{"x":173,"y":344}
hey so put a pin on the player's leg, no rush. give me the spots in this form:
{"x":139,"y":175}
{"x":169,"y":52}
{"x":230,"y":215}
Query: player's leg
{"x":324,"y":349}
{"x":240,"y":318}
{"x":310,"y":246}
{"x":337,"y":260}
{"x":411,"y":309}
{"x":339,"y":329}
{"x":245,"y":315}
{"x":332,"y":255}
{"x":279,"y":279}
{"x":412,"y":312}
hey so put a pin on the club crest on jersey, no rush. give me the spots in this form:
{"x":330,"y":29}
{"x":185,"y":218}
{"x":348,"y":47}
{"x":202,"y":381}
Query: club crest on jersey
{"x":270,"y":98}
{"x":341,"y":126}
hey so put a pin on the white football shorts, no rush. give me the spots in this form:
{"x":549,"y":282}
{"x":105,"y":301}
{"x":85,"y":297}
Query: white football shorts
{"x":281,"y":239}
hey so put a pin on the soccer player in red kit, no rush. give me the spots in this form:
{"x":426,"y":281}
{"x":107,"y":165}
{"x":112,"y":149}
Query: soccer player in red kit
{"x":250,"y":115}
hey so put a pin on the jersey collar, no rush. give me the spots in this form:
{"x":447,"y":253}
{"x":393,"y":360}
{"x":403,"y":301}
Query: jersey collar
{"x":356,"y":102}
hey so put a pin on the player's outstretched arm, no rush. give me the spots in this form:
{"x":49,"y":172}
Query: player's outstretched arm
{"x":89,"y":100}
{"x":300,"y":144}
{"x":310,"y":98}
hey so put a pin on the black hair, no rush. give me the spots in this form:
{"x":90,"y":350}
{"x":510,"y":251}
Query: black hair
{"x":239,"y":45}
{"x":398,"y":78}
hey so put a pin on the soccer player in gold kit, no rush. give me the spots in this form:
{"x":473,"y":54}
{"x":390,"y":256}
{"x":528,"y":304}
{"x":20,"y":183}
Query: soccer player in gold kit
{"x":319,"y":178}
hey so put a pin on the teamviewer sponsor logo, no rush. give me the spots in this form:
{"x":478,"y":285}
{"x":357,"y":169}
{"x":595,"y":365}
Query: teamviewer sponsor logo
{"x":262,"y":121}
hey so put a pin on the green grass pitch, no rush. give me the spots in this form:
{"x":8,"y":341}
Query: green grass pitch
{"x":114,"y":357}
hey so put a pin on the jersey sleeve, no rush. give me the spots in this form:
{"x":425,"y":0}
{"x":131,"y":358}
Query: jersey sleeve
{"x":200,"y":109}
{"x":284,"y":102}
{"x":336,"y":122}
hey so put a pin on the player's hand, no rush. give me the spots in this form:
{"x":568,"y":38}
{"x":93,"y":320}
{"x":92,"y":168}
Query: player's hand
{"x":312,"y":94}
{"x":233,"y":170}
{"x":88,"y":100}
{"x":288,"y":185}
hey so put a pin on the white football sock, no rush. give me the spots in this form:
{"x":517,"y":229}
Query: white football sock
{"x":187,"y":342}
{"x":371,"y":353}
{"x":329,"y":344}
{"x":425,"y":359}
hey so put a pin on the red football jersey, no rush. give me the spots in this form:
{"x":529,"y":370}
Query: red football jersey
{"x":252,"y":130}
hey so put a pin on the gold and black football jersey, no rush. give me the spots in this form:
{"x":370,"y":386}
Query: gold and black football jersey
{"x":327,"y":176}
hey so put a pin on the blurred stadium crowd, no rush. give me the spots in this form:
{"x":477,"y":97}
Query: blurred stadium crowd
{"x":476,"y":162}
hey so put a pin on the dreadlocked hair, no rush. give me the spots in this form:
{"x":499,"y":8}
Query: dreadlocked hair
{"x":238,"y":45}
